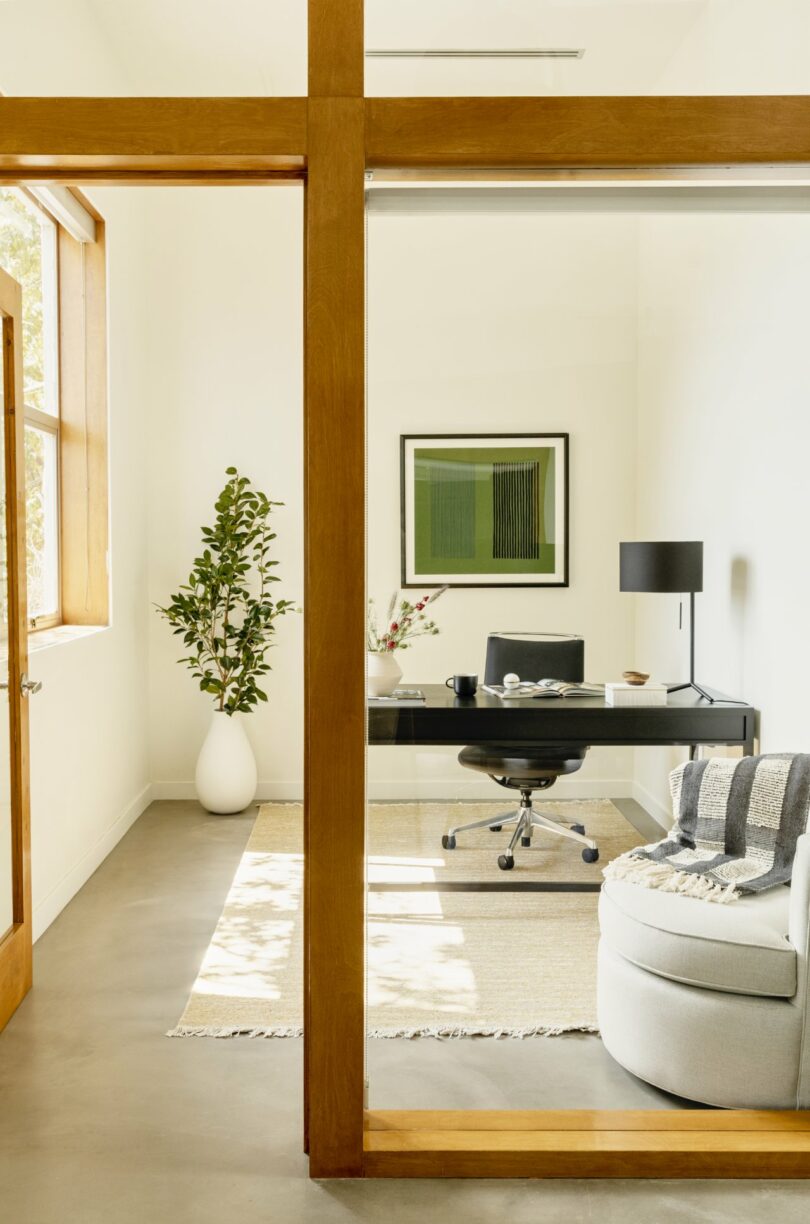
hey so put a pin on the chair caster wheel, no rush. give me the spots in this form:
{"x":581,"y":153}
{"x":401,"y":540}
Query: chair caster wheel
{"x":506,"y":862}
{"x":495,"y":828}
{"x":448,"y":842}
{"x":525,"y":841}
{"x":578,"y":829}
{"x":590,"y":856}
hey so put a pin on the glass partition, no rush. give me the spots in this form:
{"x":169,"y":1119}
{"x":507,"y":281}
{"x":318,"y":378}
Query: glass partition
{"x":199,"y":48}
{"x":601,"y":47}
{"x":628,"y":332}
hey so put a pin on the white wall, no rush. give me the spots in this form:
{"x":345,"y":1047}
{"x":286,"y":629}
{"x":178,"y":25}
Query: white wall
{"x":222,"y":346}
{"x":89,"y":753}
{"x":490,"y":319}
{"x":724,"y":435}
{"x":89,"y":757}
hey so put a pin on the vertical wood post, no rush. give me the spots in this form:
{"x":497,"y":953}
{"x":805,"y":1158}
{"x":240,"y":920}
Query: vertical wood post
{"x":334,"y":608}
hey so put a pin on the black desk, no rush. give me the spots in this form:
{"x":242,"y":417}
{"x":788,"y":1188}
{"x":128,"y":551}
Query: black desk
{"x":687,"y":719}
{"x":582,"y":721}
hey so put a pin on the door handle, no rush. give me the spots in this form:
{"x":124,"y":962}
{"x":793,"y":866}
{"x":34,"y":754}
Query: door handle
{"x":27,"y":687}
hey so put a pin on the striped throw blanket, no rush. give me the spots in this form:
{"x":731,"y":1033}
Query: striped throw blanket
{"x":735,"y":832}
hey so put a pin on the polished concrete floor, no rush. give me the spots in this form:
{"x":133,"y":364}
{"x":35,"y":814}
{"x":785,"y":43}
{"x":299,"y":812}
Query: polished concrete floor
{"x":103,"y":1119}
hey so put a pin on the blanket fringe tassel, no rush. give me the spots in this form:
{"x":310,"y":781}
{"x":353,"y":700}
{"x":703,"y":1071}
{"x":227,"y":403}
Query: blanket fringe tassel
{"x":665,"y":878}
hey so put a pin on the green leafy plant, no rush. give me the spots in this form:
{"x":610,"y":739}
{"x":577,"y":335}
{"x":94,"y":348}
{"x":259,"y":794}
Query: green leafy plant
{"x":224,"y":612}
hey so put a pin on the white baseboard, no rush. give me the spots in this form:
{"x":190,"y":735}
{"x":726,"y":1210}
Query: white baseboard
{"x":452,"y":789}
{"x":284,"y":792}
{"x":52,"y":905}
{"x":660,"y":814}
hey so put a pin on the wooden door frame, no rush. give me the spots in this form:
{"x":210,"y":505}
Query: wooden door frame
{"x":326,"y":140}
{"x":15,"y":944}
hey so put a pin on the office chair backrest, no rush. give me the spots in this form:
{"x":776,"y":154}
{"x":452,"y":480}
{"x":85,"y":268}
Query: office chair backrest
{"x":534,"y":657}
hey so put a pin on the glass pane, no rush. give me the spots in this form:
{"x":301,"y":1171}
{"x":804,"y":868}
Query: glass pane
{"x":28,"y":254}
{"x":6,"y":895}
{"x":134,"y":48}
{"x":42,"y":523}
{"x":627,"y":47}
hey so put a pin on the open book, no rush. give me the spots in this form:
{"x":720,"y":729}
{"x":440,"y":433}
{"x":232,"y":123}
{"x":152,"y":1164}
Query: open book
{"x":532,"y":689}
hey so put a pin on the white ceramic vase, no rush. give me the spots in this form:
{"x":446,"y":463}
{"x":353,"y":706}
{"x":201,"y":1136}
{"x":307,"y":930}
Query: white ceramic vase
{"x":225,"y":777}
{"x":383,"y":673}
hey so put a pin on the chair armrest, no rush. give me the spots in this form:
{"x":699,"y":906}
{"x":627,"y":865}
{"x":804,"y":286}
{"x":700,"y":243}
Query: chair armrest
{"x":799,"y":920}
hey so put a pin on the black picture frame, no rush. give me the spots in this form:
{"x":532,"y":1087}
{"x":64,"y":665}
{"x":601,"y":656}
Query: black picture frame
{"x":410,"y":579}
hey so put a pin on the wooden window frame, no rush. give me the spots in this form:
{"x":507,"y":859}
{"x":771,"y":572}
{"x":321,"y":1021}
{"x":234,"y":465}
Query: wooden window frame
{"x":83,"y":444}
{"x":327,"y":140}
{"x":80,"y":427}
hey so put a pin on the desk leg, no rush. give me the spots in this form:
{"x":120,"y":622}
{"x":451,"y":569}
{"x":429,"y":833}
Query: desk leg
{"x":692,"y":751}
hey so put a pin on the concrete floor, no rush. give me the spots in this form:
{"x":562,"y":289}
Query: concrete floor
{"x":103,"y":1119}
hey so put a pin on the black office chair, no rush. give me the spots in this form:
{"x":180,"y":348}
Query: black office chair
{"x":525,"y":768}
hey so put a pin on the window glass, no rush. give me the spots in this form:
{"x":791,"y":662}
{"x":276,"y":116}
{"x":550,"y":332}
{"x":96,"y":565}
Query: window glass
{"x":28,"y":254}
{"x":42,"y":524}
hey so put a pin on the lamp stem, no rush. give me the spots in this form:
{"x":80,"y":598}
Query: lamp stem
{"x":691,"y":637}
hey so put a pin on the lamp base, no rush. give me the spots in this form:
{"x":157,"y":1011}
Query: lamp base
{"x":690,"y":684}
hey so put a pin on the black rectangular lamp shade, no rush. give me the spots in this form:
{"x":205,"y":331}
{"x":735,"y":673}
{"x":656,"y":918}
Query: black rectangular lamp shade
{"x":673,"y":565}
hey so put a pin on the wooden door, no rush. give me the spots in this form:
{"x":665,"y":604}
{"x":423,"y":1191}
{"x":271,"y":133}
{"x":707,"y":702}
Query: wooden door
{"x":15,"y":829}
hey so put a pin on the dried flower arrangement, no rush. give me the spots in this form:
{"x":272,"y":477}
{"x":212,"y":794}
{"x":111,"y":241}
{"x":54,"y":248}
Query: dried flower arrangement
{"x":403,"y":623}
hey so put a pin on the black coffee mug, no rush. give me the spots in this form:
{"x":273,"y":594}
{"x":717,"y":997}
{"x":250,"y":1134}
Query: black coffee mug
{"x":463,"y":686}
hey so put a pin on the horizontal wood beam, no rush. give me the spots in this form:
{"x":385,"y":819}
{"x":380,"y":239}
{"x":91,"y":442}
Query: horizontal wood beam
{"x":595,"y":131}
{"x":138,"y":134}
{"x":586,"y":1143}
{"x":783,"y":1120}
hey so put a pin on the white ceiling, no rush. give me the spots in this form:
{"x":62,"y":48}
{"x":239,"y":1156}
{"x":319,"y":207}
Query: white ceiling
{"x":176,"y":47}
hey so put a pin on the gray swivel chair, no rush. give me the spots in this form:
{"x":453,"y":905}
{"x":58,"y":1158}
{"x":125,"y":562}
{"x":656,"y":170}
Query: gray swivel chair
{"x":526,"y":768}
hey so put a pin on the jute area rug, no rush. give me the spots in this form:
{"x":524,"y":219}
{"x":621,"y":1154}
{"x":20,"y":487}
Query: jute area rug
{"x":510,"y":964}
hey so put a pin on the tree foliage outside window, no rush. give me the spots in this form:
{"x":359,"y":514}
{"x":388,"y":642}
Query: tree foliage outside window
{"x":22,"y":233}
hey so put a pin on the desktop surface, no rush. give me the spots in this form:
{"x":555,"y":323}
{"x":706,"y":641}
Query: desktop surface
{"x":444,"y":718}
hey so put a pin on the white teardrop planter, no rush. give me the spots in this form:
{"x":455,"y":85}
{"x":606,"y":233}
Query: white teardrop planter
{"x":225,"y":777}
{"x":383,"y":673}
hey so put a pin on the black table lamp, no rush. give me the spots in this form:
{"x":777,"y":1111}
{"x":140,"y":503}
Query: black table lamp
{"x":666,"y":566}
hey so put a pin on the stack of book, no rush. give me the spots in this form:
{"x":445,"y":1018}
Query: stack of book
{"x":400,"y":697}
{"x":623,"y":694}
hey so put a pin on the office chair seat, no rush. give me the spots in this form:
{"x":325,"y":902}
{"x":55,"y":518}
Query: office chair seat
{"x":520,"y":767}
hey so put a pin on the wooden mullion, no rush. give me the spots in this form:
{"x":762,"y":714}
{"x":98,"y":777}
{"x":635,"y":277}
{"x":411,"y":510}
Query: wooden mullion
{"x":586,"y":131}
{"x":138,"y":134}
{"x":334,"y":609}
{"x":336,"y":51}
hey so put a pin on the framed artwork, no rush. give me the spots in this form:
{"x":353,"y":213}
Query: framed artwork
{"x":484,"y":509}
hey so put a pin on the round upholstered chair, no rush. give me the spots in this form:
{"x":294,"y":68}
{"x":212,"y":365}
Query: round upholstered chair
{"x":710,"y":1001}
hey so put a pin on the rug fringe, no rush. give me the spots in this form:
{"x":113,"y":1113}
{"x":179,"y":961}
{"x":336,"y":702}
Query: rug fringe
{"x":446,"y":1032}
{"x":650,"y":874}
{"x":453,"y":1032}
{"x":201,"y":1030}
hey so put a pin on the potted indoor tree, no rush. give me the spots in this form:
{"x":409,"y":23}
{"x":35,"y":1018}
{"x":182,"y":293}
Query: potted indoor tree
{"x":226,"y":618}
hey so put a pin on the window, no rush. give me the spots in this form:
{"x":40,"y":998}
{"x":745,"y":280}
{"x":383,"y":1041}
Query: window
{"x":57,"y":254}
{"x":28,"y":253}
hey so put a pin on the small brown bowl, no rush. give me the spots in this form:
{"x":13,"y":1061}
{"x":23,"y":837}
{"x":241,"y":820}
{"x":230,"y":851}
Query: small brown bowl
{"x":636,"y":677}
